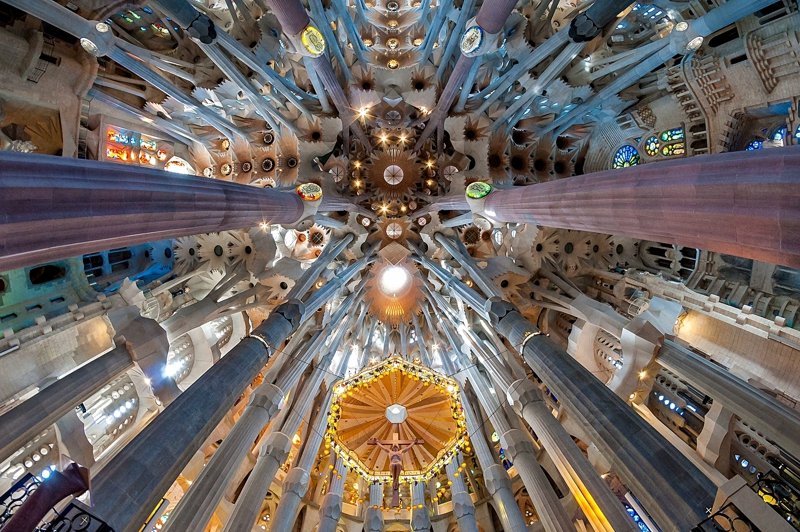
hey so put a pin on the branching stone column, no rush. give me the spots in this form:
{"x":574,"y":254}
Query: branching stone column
{"x":463,"y":507}
{"x":775,"y":420}
{"x":373,"y":520}
{"x":22,"y":423}
{"x":647,"y":463}
{"x":295,"y":485}
{"x":56,"y":207}
{"x":196,"y":507}
{"x":523,"y":454}
{"x":331,"y":508}
{"x":275,"y":449}
{"x":420,"y":519}
{"x":498,"y":484}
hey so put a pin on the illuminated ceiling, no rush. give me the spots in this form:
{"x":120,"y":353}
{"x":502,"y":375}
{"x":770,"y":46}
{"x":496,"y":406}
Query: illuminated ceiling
{"x":359,"y":413}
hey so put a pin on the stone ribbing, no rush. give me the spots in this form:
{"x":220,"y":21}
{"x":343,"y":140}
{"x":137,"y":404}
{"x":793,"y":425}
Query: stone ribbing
{"x":672,"y":489}
{"x":129,"y":487}
{"x":22,"y":423}
{"x":55,"y":207}
{"x":745,"y":203}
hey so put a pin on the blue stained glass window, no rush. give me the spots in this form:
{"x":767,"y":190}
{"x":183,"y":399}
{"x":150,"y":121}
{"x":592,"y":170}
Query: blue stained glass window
{"x":780,"y":134}
{"x":797,"y":133}
{"x":755,"y":144}
{"x":626,"y":156}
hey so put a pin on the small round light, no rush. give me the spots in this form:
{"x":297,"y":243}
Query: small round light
{"x":695,"y":43}
{"x":681,"y":26}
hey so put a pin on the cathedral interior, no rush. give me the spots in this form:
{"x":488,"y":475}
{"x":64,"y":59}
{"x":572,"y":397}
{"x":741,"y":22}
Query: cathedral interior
{"x":399,"y":265}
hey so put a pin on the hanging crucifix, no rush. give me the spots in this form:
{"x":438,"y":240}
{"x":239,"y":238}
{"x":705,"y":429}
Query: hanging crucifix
{"x":395,"y":448}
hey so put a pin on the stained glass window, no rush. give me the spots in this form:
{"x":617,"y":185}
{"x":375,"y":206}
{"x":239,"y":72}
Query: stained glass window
{"x":651,"y":146}
{"x":755,"y":144}
{"x":797,"y":133}
{"x":672,"y":135}
{"x":779,"y":136}
{"x":626,"y":156}
{"x":672,"y":150}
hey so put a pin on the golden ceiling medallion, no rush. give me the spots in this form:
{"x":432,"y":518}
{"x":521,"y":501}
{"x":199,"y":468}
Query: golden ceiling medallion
{"x":433,"y":414}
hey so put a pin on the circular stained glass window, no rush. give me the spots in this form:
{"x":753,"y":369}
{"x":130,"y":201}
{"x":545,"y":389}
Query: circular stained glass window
{"x":393,"y":175}
{"x":626,"y":156}
{"x":651,"y":146}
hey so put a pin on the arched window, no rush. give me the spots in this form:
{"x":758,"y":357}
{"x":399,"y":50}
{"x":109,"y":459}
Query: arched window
{"x":779,"y":136}
{"x":797,"y":133}
{"x":668,"y":143}
{"x":626,"y":156}
{"x":755,"y":144}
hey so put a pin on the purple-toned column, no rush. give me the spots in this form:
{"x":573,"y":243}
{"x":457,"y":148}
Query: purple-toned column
{"x":55,"y":207}
{"x":309,"y":41}
{"x":745,"y":204}
{"x":490,"y":19}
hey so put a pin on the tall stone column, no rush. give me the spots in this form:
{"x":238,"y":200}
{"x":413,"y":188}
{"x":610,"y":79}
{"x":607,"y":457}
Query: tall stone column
{"x":600,"y":506}
{"x":646,"y":462}
{"x":755,"y":214}
{"x":22,"y":423}
{"x":275,"y":450}
{"x":129,"y":487}
{"x":489,"y":21}
{"x":295,"y":485}
{"x":775,"y":420}
{"x":498,"y":484}
{"x":56,"y":207}
{"x":420,"y":519}
{"x":196,"y":507}
{"x":373,"y":520}
{"x":331,"y":508}
{"x":463,"y":507}
{"x":523,"y":454}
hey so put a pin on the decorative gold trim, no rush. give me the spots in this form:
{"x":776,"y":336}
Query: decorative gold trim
{"x":528,"y":336}
{"x":261,"y":339}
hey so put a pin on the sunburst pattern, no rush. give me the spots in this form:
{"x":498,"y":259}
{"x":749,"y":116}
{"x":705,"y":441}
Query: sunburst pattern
{"x":434,"y":415}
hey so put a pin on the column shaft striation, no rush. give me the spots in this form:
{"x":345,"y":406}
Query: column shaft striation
{"x":745,"y":203}
{"x":670,"y":487}
{"x":25,"y":421}
{"x":777,"y":421}
{"x":55,"y":207}
{"x":128,"y":488}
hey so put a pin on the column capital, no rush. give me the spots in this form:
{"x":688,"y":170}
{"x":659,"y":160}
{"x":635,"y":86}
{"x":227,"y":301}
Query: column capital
{"x":521,"y":393}
{"x":517,"y":443}
{"x":267,"y":396}
{"x":496,"y":479}
{"x":277,"y":446}
{"x":462,"y":505}
{"x":331,"y":507}
{"x":296,"y":481}
{"x":497,"y":309}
